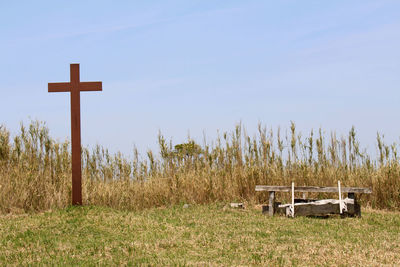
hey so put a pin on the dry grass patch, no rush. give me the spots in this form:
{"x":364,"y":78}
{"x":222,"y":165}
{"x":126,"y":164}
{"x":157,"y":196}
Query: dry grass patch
{"x":35,"y":170}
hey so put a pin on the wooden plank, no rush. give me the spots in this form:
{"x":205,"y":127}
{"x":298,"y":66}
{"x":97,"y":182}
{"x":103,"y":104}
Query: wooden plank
{"x":320,"y":208}
{"x":90,"y":86}
{"x":340,"y":199}
{"x":316,"y":189}
{"x":59,"y":87}
{"x":292,"y":189}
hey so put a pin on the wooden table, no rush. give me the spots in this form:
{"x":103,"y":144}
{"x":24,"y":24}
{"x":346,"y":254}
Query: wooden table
{"x":351,"y":193}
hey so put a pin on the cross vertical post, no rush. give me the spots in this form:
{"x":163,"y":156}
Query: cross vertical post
{"x":75,"y":86}
{"x":76,"y":135}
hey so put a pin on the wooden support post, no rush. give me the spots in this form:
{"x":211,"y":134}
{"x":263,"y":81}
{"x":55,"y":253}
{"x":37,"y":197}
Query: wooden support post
{"x":292,"y":199}
{"x":357,"y":208}
{"x":340,"y":199}
{"x":271,"y":207}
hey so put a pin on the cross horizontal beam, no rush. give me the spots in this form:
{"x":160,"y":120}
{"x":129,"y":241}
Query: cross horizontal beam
{"x":59,"y":87}
{"x":82,"y":86}
{"x":90,"y":86}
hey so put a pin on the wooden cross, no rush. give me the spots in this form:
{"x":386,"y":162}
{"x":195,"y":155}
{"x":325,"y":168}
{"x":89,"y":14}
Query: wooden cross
{"x":75,"y":86}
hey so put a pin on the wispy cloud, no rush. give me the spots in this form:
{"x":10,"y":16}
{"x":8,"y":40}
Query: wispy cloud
{"x":150,"y":19}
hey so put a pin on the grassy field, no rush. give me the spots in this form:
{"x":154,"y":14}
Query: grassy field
{"x":198,"y":235}
{"x":124,"y":224}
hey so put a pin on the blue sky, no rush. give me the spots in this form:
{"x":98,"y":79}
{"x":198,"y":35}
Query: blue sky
{"x":188,"y":67}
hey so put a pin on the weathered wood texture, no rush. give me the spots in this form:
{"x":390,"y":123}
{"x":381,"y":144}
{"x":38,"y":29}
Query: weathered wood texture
{"x":271,"y":203}
{"x":319,"y":208}
{"x":278,"y":206}
{"x":316,"y":189}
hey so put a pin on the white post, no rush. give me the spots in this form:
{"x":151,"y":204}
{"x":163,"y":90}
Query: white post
{"x":293,"y":199}
{"x":340,"y":199}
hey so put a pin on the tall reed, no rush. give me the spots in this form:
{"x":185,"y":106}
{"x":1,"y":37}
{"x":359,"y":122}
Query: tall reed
{"x":35,"y":169}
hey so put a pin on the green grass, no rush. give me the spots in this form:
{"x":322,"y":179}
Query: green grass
{"x":199,"y":235}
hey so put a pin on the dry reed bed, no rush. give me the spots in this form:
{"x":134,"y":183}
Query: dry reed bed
{"x":35,"y":169}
